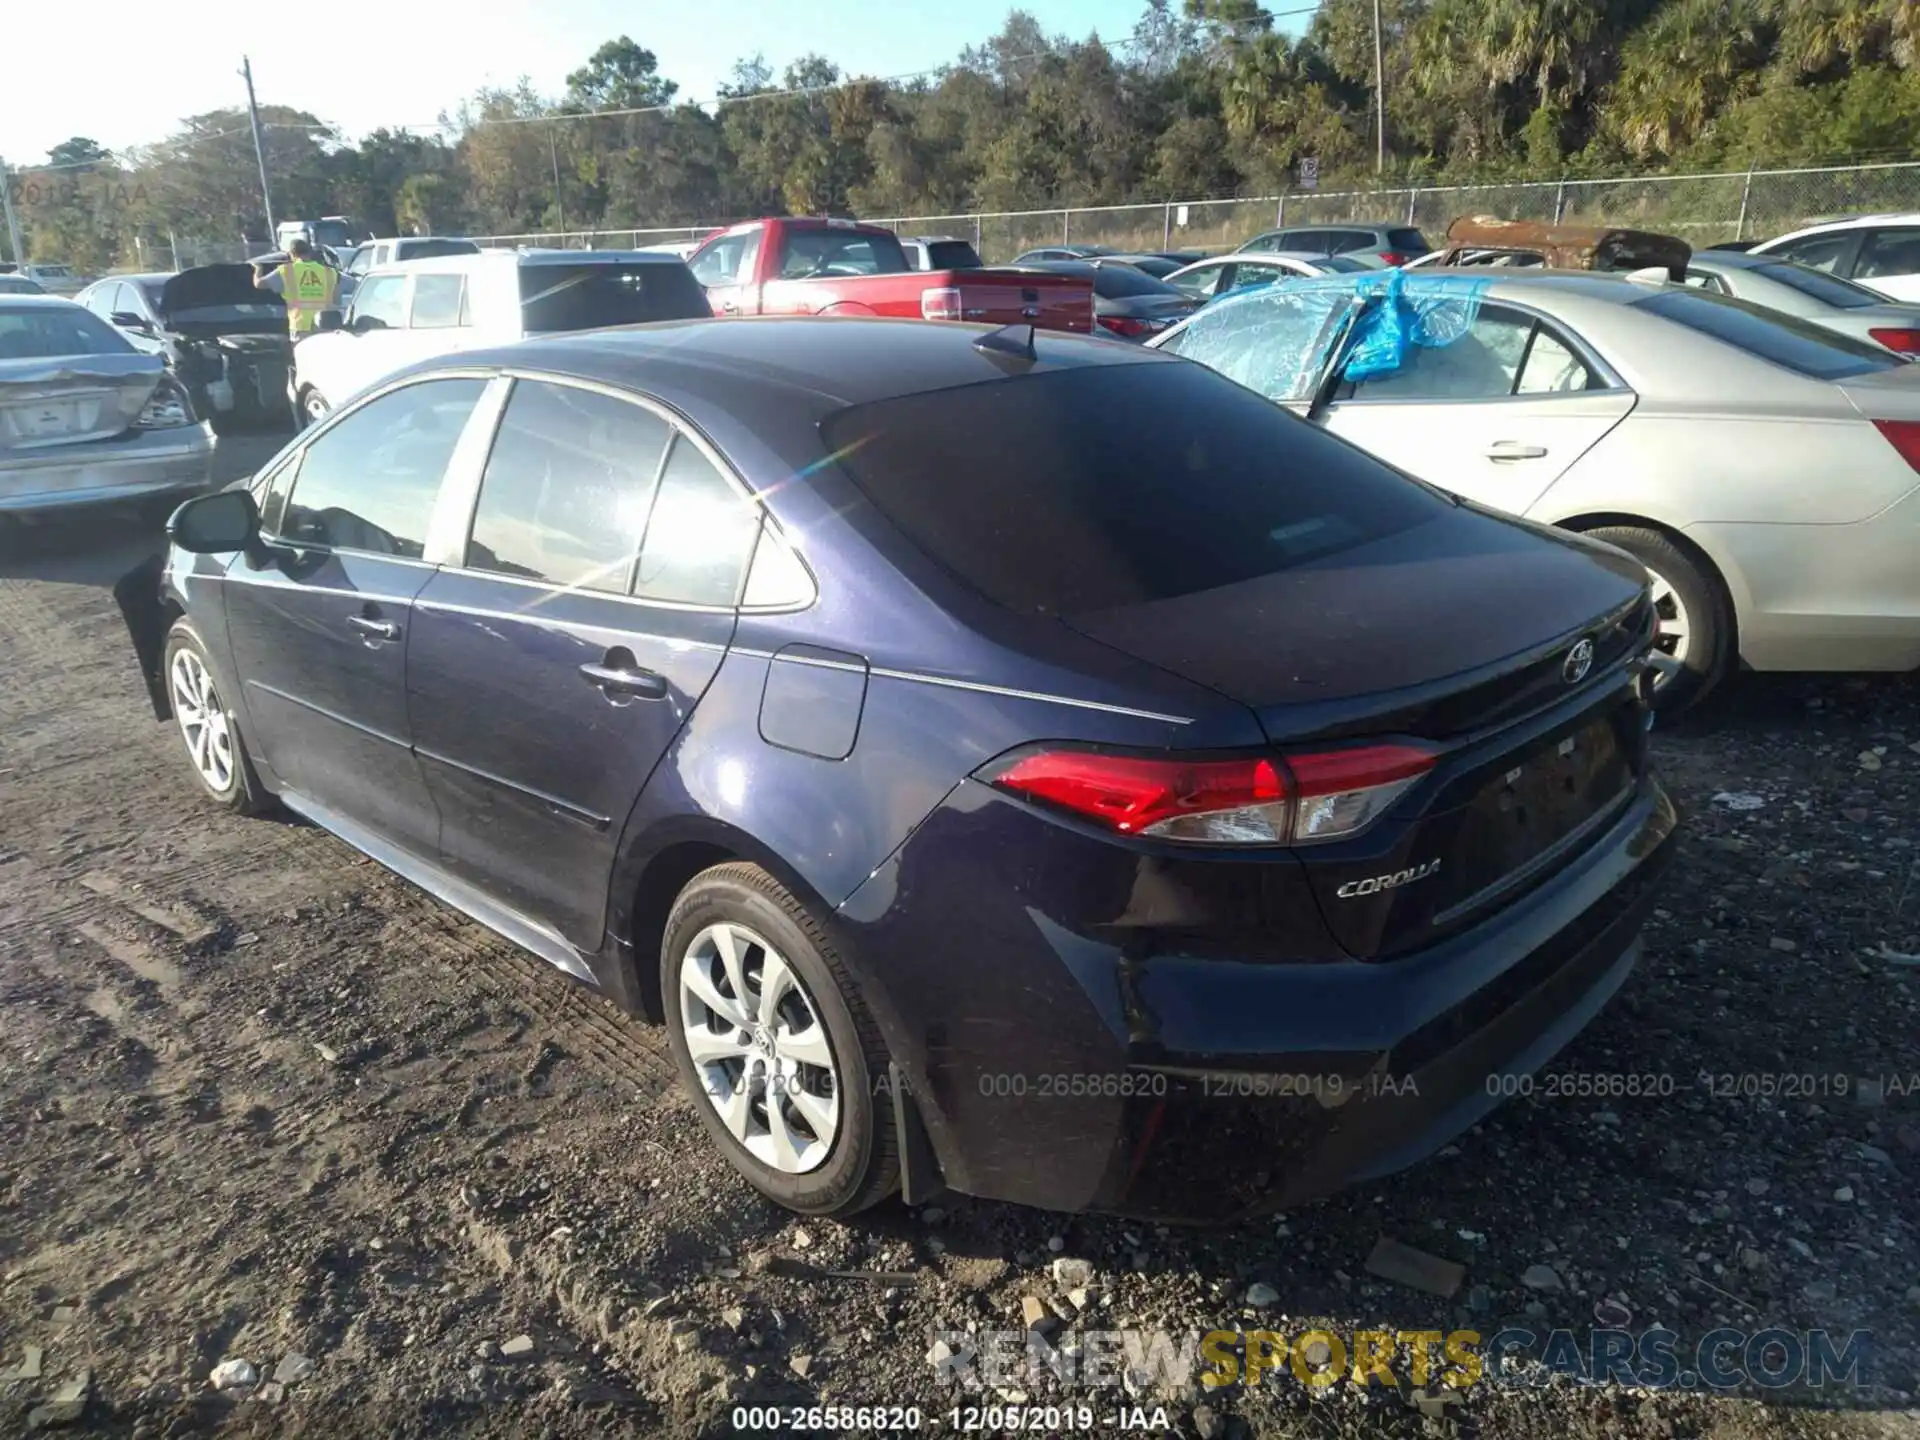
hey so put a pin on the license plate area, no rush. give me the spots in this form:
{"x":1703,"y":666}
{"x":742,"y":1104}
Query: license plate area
{"x":1538,"y":798}
{"x":55,"y":418}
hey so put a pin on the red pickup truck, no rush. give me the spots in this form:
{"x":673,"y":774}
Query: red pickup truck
{"x":839,"y":267}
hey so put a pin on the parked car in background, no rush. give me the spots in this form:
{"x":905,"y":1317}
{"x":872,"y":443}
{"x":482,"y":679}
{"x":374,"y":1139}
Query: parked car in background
{"x":940,"y":252}
{"x":337,"y":232}
{"x":1487,"y":240}
{"x":53,"y":278}
{"x":885,"y":718}
{"x":1126,"y":302}
{"x":1881,"y":252}
{"x":1388,"y":244}
{"x":1226,"y":273}
{"x":1764,"y":469}
{"x":87,"y":419}
{"x":1813,"y":295}
{"x":1062,"y":252}
{"x":793,"y":266}
{"x":223,"y":339}
{"x":678,"y":249}
{"x":416,"y":309}
{"x":375,"y":253}
{"x":20,"y":285}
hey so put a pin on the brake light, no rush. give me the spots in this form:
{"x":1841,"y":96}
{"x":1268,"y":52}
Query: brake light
{"x":1901,"y":342}
{"x":1391,"y":258}
{"x":1253,"y":800}
{"x":1122,"y":325}
{"x":1904,"y":436}
{"x":940,"y":303}
{"x":168,"y":408}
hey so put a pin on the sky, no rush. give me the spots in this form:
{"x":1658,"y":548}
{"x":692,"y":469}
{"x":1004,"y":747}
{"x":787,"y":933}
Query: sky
{"x":401,"y":64}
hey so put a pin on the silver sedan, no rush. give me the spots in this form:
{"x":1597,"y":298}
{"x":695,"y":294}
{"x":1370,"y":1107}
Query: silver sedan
{"x":1765,"y":470}
{"x":85,"y":418}
{"x":1795,"y":289}
{"x":1224,"y":274}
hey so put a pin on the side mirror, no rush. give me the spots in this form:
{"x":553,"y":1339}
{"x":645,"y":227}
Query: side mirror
{"x":222,"y":523}
{"x":329,"y":320}
{"x":363,"y":323}
{"x":127,"y":320}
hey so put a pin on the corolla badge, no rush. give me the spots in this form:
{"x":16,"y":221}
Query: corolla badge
{"x":1373,"y":885}
{"x":1579,"y":661}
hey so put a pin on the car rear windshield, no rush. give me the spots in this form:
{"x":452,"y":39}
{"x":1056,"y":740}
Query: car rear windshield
{"x":588,"y":296}
{"x":1078,"y":490}
{"x":1122,"y":282}
{"x":1410,"y":241}
{"x":433,"y":249}
{"x":952,"y":255}
{"x":42,"y":332}
{"x":1818,"y":285}
{"x":1800,"y":347}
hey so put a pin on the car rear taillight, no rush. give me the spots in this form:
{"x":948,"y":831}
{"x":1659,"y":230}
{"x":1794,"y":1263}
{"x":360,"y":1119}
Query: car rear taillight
{"x":1904,"y":436}
{"x":942,"y":303}
{"x":1901,"y":342}
{"x":1123,"y":325}
{"x":1252,"y":800}
{"x":1391,"y":258}
{"x":167,"y":408}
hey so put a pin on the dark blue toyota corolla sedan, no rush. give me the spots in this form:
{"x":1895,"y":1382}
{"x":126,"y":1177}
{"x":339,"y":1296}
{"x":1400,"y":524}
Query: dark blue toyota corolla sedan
{"x":1011,"y":762}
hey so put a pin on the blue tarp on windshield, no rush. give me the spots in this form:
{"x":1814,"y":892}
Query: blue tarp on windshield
{"x":1276,"y":339}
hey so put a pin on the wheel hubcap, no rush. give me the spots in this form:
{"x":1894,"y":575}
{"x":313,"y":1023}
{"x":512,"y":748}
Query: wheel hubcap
{"x":1674,"y":634}
{"x":316,"y":407}
{"x":759,"y":1047}
{"x":203,"y":720}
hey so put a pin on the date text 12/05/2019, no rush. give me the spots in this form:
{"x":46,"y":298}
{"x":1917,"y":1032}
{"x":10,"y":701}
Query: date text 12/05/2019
{"x":1207,"y":1085}
{"x":968,"y":1419}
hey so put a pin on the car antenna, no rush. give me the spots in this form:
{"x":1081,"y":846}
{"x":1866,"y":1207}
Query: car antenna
{"x":1015,"y":340}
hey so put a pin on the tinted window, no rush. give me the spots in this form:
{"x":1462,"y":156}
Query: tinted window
{"x":1336,"y":241}
{"x":1123,"y":282}
{"x":42,"y":332}
{"x":951,"y":255}
{"x":699,"y":535}
{"x":369,"y":482}
{"x":1801,"y":347}
{"x":1818,"y":285}
{"x":587,"y":296}
{"x":1888,"y":252}
{"x":381,"y":302}
{"x":1820,"y":252}
{"x":1480,"y":365}
{"x":1083,"y":489}
{"x":436,"y":301}
{"x":433,"y":249}
{"x":1410,"y":242}
{"x":566,"y":488}
{"x":812,"y":253}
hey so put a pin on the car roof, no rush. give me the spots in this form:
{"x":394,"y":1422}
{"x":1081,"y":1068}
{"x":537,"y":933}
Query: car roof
{"x":839,"y":360}
{"x":1850,"y":222}
{"x":1341,"y":225}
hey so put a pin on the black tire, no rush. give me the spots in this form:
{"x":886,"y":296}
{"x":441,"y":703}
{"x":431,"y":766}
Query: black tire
{"x":862,"y":1166}
{"x":1710,"y":653}
{"x":243,"y":793}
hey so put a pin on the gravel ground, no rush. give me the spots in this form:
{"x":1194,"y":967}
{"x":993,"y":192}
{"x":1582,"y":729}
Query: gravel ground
{"x":260,"y":1101}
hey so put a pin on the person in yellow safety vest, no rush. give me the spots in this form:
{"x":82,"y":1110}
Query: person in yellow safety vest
{"x":307,"y":285}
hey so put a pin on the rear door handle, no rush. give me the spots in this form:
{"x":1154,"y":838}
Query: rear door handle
{"x":644,"y":683}
{"x":379,"y":629}
{"x":1514,"y":450}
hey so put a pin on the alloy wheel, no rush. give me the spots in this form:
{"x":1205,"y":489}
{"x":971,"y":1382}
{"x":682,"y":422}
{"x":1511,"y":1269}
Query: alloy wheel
{"x":316,"y":407}
{"x":1674,"y":635}
{"x":757,"y":1042}
{"x":203,"y":721}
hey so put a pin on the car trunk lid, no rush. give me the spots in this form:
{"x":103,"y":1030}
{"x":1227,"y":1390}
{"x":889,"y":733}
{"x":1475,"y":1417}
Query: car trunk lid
{"x":69,"y":399}
{"x":1021,"y":297}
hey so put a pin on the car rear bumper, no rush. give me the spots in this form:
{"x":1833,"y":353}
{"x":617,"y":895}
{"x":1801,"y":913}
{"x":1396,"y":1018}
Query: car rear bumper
{"x":142,"y":465}
{"x":1100,"y":1067}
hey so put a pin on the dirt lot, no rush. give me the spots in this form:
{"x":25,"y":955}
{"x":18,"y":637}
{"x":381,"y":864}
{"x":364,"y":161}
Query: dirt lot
{"x":262,"y":1100}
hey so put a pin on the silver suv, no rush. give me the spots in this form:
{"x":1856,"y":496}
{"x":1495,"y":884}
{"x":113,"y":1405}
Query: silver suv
{"x":1389,"y":245}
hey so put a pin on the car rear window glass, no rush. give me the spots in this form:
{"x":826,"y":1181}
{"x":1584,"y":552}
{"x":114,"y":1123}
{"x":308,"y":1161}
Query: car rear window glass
{"x":566,"y":489}
{"x":1083,"y":489}
{"x":699,"y":536}
{"x":370,"y":481}
{"x":1798,"y":346}
{"x":43,"y":332}
{"x":1818,"y":285}
{"x":1409,"y":241}
{"x":433,"y":249}
{"x":436,"y":301}
{"x":588,"y":296}
{"x":952,"y":255}
{"x":810,"y":254}
{"x":1120,"y":281}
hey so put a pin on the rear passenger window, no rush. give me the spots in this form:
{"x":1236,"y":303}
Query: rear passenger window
{"x":1818,"y":252}
{"x":1552,"y":368}
{"x":437,"y":301}
{"x":566,"y":489}
{"x":699,"y":535}
{"x":369,"y":483}
{"x":1888,"y":252}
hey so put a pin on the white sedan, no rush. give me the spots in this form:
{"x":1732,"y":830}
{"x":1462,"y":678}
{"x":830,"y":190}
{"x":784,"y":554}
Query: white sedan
{"x":1223,"y":274}
{"x":1764,"y":470}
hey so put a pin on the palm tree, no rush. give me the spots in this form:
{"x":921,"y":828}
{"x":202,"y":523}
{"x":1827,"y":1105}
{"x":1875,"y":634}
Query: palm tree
{"x":1679,"y":70}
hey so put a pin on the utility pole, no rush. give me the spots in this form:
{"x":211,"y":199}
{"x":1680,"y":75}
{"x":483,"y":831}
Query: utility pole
{"x":1379,"y":94}
{"x":13,"y":221}
{"x":259,"y":150}
{"x":559,"y":205}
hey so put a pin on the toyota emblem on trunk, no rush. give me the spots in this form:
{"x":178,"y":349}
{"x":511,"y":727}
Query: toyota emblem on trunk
{"x":1578,"y":662}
